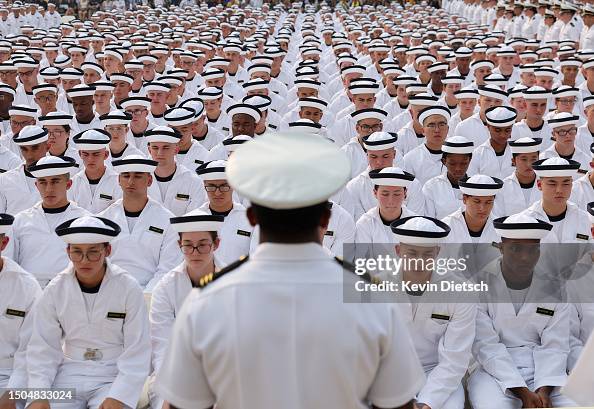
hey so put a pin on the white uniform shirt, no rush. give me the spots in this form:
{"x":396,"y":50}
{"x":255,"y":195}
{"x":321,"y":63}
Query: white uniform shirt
{"x":194,"y":157}
{"x":441,"y":198}
{"x":423,"y":163}
{"x":574,"y":228}
{"x":473,"y":129}
{"x":98,"y":197}
{"x":486,"y":162}
{"x":582,"y":192}
{"x":304,"y":280}
{"x":8,"y":160}
{"x":513,"y":198}
{"x":181,"y":194}
{"x":578,"y":155}
{"x":17,"y":191}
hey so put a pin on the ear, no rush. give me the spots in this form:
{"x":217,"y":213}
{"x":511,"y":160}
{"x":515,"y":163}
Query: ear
{"x":150,"y":179}
{"x":251,"y":216}
{"x":215,"y":244}
{"x":539,"y":184}
{"x":69,"y":184}
{"x":4,"y":243}
{"x":108,"y":250}
{"x":398,"y":251}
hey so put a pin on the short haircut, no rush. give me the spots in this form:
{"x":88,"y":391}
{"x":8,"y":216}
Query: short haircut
{"x":290,"y":221}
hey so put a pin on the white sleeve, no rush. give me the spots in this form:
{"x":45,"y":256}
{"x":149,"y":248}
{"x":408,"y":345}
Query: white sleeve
{"x":575,"y":343}
{"x":550,"y":356}
{"x":169,"y":257}
{"x":162,"y":317}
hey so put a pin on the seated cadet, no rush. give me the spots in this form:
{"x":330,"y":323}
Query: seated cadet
{"x":82,"y":104}
{"x":583,"y":139}
{"x":57,"y":124}
{"x":410,"y":135}
{"x":20,"y":117}
{"x":582,"y":192}
{"x":269,"y":120}
{"x":46,"y":98}
{"x":157,"y":92}
{"x":517,"y":101}
{"x":521,"y":345}
{"x":368,"y":121}
{"x":442,"y":193}
{"x":564,"y":127}
{"x":452,"y":84}
{"x":116,"y":124}
{"x":215,"y":117}
{"x":443,"y":333}
{"x":565,"y":99}
{"x":244,"y":118}
{"x":19,"y":291}
{"x":390,"y":189}
{"x":191,"y":153}
{"x":34,"y":244}
{"x":146,"y":247}
{"x":474,"y":128}
{"x":208,"y":136}
{"x":138,"y":109}
{"x":177,"y":188}
{"x":96,"y":186}
{"x":537,"y":102}
{"x":519,"y":189}
{"x":236,"y":231}
{"x":102,"y":98}
{"x":198,"y":241}
{"x":91,"y":328}
{"x":554,"y":180}
{"x":17,"y":186}
{"x":398,"y":105}
{"x":381,"y":153}
{"x":308,"y":108}
{"x":424,"y":161}
{"x":493,"y":156}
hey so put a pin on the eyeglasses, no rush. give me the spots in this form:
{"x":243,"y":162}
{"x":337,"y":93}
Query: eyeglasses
{"x":22,"y":123}
{"x":201,"y":248}
{"x":56,"y":133}
{"x":374,"y":128}
{"x":77,"y":256}
{"x":26,"y":73}
{"x":566,"y":101}
{"x":439,"y":125}
{"x":570,"y":132}
{"x":136,"y":111}
{"x":213,"y":188}
{"x":46,"y":99}
{"x":115,"y":128}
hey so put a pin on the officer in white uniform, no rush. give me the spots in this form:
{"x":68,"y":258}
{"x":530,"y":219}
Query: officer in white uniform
{"x":19,"y":291}
{"x":91,"y":329}
{"x":522,"y":344}
{"x":17,"y":186}
{"x":236,"y":232}
{"x":176,"y":187}
{"x":96,"y":186}
{"x":198,"y":240}
{"x":35,"y":246}
{"x":443,"y":331}
{"x":519,"y":189}
{"x":442,"y":193}
{"x":291,"y":205}
{"x":493,"y":157}
{"x":146,"y":247}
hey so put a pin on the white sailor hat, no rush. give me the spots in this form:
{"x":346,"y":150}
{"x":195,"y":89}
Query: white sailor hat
{"x":260,"y":67}
{"x":416,"y":88}
{"x":353,"y":69}
{"x":562,"y":119}
{"x":88,"y":230}
{"x":501,"y":117}
{"x":420,"y":230}
{"x":404,"y":80}
{"x":495,"y":79}
{"x":517,"y":91}
{"x":171,"y":80}
{"x":210,"y":93}
{"x":213,"y":73}
{"x":521,"y":226}
{"x":197,"y":220}
{"x":452,"y":79}
{"x":393,"y":70}
{"x":256,"y":84}
{"x":30,"y":135}
{"x":307,"y":170}
{"x":91,"y":140}
{"x":81,"y":90}
{"x":26,"y":62}
{"x":458,"y":144}
{"x":506,"y":51}
{"x":53,"y":166}
{"x":308,"y":83}
{"x":434,"y":110}
{"x":71,"y":73}
{"x":363,"y":87}
{"x":49,"y":73}
{"x":213,"y":170}
{"x":244,"y":109}
{"x":463,"y":52}
{"x":425,"y":57}
{"x":480,"y":185}
{"x":8,"y":65}
{"x":92,"y":66}
{"x":134,"y":163}
{"x":422,"y":99}
{"x":57,"y":118}
{"x":231,"y":144}
{"x":467,"y":93}
{"x":179,"y":116}
{"x":312,"y":103}
{"x":157,"y":86}
{"x":546,"y":72}
{"x":121,"y":77}
{"x":151,"y":58}
{"x":262,"y":102}
{"x":7,"y":88}
{"x":163,"y":134}
{"x":492,"y":91}
{"x":115,"y":117}
{"x":438,"y":66}
{"x":391,"y":176}
{"x":305,"y":125}
{"x":22,"y":110}
{"x":588,"y":101}
{"x":555,"y":167}
{"x":536,"y":92}
{"x":195,"y":104}
{"x":113,"y":53}
{"x":378,"y":141}
{"x":588,"y":64}
{"x":525,"y":145}
{"x":367,"y":113}
{"x":133,"y":65}
{"x":571,"y":62}
{"x":527,"y":68}
{"x":6,"y":221}
{"x":45,"y":87}
{"x":590,"y":209}
{"x":565,"y":91}
{"x":135,"y":101}
{"x":103,"y":85}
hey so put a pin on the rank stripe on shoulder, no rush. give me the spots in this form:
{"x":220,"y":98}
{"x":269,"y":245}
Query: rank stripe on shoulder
{"x":209,"y":278}
{"x":350,"y":267}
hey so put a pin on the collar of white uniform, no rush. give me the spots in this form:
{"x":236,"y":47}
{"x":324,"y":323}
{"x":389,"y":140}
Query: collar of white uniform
{"x":290,"y":252}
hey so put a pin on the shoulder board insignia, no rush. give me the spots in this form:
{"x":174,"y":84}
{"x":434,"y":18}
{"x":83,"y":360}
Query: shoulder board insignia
{"x":15,"y":313}
{"x":329,"y":233}
{"x":440,"y":317}
{"x":365,"y":276}
{"x":582,"y":236}
{"x":244,"y":233}
{"x":181,"y":196}
{"x":545,"y":311}
{"x":117,"y":315}
{"x":156,"y":229}
{"x":209,"y":278}
{"x":105,"y":197}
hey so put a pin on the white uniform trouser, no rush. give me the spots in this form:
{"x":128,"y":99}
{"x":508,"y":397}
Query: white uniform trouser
{"x":456,"y":399}
{"x":485,"y":393}
{"x":156,"y":400}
